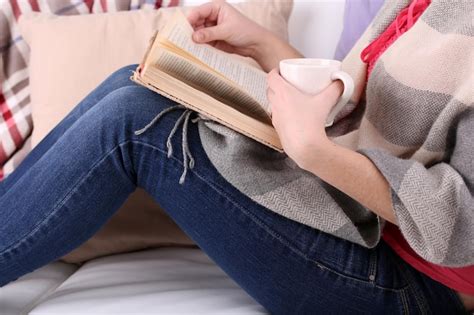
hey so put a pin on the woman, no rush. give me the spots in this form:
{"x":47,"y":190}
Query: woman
{"x":95,"y":158}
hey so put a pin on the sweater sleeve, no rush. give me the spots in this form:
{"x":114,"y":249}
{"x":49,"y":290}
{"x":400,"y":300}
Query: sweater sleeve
{"x":434,"y":204}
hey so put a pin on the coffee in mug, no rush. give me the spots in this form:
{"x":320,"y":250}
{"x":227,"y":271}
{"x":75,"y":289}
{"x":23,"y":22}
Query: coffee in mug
{"x":311,"y":76}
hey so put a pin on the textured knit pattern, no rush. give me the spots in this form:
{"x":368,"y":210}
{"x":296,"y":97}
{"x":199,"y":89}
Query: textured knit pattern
{"x":414,"y":119}
{"x":15,"y":108}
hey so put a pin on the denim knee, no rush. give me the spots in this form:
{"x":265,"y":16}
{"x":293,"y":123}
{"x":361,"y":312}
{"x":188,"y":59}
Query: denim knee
{"x":136,"y":101}
{"x":120,"y":78}
{"x":138,"y":114}
{"x":125,"y":71}
{"x":128,"y":109}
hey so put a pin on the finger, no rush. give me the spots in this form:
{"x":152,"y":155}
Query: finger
{"x":197,"y":28}
{"x":334,"y":90}
{"x":199,"y":14}
{"x":276,"y":120}
{"x":273,"y":108}
{"x":210,"y":34}
{"x":270,"y":92}
{"x":209,"y":23}
{"x":272,"y":104}
{"x":275,"y":81}
{"x":271,"y":95}
{"x":208,"y":11}
{"x":270,"y":79}
{"x":272,"y":73}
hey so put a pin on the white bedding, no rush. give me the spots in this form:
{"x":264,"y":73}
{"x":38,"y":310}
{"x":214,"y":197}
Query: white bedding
{"x":21,"y":296}
{"x":159,"y":281}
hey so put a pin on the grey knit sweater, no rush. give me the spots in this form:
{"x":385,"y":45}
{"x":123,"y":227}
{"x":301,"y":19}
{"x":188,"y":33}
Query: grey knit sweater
{"x":414,"y":119}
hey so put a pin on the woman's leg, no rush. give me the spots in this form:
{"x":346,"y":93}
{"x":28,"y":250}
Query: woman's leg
{"x":119,"y":79}
{"x":64,"y":198}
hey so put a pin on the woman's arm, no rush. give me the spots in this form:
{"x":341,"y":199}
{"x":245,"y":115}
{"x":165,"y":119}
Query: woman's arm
{"x":300,"y":122}
{"x":355,"y":175}
{"x":432,"y":205}
{"x":221,"y":25}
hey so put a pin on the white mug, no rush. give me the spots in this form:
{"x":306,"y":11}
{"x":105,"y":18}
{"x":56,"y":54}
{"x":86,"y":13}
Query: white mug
{"x":311,"y":76}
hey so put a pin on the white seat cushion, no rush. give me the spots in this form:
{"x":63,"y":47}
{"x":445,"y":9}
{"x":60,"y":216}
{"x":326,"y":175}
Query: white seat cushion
{"x":21,"y":296}
{"x":159,"y":281}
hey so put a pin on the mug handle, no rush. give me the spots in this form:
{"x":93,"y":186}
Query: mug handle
{"x":345,"y":97}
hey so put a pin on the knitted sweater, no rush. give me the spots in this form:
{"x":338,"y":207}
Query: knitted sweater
{"x":414,"y":119}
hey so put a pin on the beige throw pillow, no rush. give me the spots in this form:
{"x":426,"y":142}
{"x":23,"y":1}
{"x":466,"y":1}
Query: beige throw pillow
{"x":70,"y":56}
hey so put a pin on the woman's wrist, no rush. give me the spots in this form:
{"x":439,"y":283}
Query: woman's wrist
{"x":355,"y":175}
{"x":270,"y":49}
{"x":316,"y":154}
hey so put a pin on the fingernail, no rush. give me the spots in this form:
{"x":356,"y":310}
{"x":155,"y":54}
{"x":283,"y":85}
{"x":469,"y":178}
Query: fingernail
{"x":199,"y":36}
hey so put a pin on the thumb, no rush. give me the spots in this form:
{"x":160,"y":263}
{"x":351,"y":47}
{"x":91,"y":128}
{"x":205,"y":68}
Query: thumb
{"x":209,"y":34}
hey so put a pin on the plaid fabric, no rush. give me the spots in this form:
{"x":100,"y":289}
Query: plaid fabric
{"x":15,"y":110}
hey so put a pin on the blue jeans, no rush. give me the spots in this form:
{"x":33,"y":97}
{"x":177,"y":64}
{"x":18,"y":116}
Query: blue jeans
{"x":82,"y":172}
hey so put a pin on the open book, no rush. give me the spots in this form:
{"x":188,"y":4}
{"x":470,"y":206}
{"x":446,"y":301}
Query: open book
{"x":218,"y":85}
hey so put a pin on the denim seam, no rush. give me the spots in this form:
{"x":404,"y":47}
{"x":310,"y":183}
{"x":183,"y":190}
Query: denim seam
{"x":405,"y":302}
{"x":419,"y":297}
{"x":268,"y":230}
{"x":60,"y":203}
{"x":323,"y":266}
{"x":373,"y":266}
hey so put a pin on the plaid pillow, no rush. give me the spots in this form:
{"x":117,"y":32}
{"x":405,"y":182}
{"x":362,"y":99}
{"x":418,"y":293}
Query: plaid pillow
{"x":15,"y":110}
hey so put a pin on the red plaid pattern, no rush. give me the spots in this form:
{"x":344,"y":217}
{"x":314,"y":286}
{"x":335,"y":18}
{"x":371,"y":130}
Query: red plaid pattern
{"x":15,"y":110}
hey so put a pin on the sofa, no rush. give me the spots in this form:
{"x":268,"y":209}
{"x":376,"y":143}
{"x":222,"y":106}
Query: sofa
{"x":162,"y":280}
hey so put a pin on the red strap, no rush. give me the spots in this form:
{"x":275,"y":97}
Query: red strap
{"x":404,"y":21}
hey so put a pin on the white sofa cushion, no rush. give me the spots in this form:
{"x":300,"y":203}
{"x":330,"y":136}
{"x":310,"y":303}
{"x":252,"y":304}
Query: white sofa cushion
{"x":21,"y":296}
{"x":159,"y":281}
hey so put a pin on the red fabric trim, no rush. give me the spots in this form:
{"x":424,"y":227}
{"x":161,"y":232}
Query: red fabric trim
{"x":89,"y":4}
{"x":15,"y":8}
{"x":10,"y":122}
{"x":459,"y":279}
{"x":34,"y":5}
{"x":402,"y":23}
{"x":3,"y":157}
{"x":103,"y":3}
{"x":158,"y":4}
{"x":174,"y":3}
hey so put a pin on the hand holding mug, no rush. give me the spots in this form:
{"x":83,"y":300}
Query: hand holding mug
{"x":300,"y":118}
{"x":311,"y":76}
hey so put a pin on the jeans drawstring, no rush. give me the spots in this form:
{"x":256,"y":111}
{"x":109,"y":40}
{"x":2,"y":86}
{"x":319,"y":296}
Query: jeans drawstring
{"x":188,"y":160}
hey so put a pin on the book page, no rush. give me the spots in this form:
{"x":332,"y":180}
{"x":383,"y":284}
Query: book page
{"x":250,"y":79}
{"x":209,"y":82}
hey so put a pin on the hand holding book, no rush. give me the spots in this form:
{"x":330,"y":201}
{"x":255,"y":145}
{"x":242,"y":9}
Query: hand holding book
{"x":224,"y":27}
{"x":216,"y":84}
